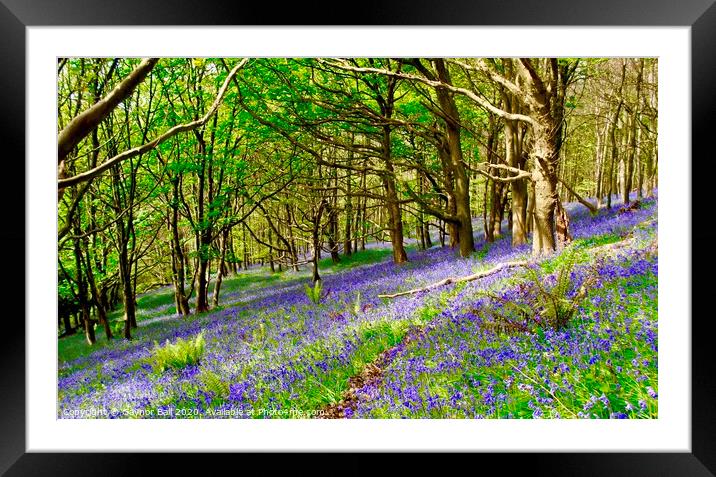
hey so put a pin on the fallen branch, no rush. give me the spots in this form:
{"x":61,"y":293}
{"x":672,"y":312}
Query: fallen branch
{"x":467,"y":278}
{"x":592,"y":208}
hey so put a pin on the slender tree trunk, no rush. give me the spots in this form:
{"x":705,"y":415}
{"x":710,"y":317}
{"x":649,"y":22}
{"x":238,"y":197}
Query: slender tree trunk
{"x":613,"y":137}
{"x":629,"y":166}
{"x":316,"y":240}
{"x":426,"y":235}
{"x":82,"y":292}
{"x":292,"y":240}
{"x":462,"y":180}
{"x":347,"y":238}
{"x":449,"y":188}
{"x":203,"y":239}
{"x":69,"y":330}
{"x":98,"y":303}
{"x":420,"y":219}
{"x":513,"y":152}
{"x":125,"y":266}
{"x":270,"y":251}
{"x":180,"y":298}
{"x":333,"y":238}
{"x":395,"y":221}
{"x":487,"y":220}
{"x":426,"y":223}
{"x":599,"y":170}
{"x":363,"y":211}
{"x":640,"y":168}
{"x":530,"y":206}
{"x":219,"y":274}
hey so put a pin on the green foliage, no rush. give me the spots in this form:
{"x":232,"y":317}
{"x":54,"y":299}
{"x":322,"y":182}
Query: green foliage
{"x":314,"y":293}
{"x":362,"y":257}
{"x":177,"y":355}
{"x":213,"y":384}
{"x":258,"y":338}
{"x":389,"y":333}
{"x":117,"y":327}
{"x":356,"y":307}
{"x":482,"y":253}
{"x":558,"y":302}
{"x":597,"y":240}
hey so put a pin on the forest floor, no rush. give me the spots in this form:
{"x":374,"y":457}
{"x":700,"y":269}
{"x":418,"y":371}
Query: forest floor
{"x":493,"y":347}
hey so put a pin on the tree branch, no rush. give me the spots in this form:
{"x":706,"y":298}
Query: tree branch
{"x":87,"y":121}
{"x":436,"y":84}
{"x":592,"y":208}
{"x":85,"y":176}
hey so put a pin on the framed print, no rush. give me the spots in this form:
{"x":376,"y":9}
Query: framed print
{"x":412,"y":146}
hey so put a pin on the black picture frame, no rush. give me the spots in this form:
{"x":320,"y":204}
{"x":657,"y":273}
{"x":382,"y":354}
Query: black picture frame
{"x":16,"y":15}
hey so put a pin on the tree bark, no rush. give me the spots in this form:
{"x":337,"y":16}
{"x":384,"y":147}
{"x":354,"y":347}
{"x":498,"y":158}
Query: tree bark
{"x":546,"y":157}
{"x":629,"y":166}
{"x":395,"y":221}
{"x":96,"y":298}
{"x":462,"y":180}
{"x":316,"y":240}
{"x":515,"y":158}
{"x":613,"y":137}
{"x":88,"y":120}
{"x":180,"y":298}
{"x":219,"y":272}
{"x":82,"y":292}
{"x":333,"y":218}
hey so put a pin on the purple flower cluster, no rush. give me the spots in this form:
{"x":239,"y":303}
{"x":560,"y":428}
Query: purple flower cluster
{"x":274,"y":345}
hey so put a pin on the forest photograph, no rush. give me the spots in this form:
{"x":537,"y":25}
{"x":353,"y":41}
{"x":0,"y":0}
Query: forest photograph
{"x":357,"y":238}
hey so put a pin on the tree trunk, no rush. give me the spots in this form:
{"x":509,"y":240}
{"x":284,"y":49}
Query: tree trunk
{"x":219,"y":273}
{"x":545,"y":200}
{"x":347,"y":240}
{"x":487,"y":220}
{"x":462,"y":180}
{"x":69,"y":330}
{"x":270,"y":251}
{"x":128,"y":303}
{"x":333,"y":218}
{"x":640,"y":169}
{"x":202,"y":286}
{"x":363,"y":211}
{"x":530,"y":206}
{"x":546,"y":154}
{"x":180,"y":298}
{"x":291,"y":239}
{"x":613,"y":138}
{"x":98,"y":302}
{"x":599,"y":171}
{"x":316,"y":241}
{"x":564,"y":237}
{"x":395,"y":221}
{"x":82,"y":292}
{"x":514,"y":157}
{"x":629,"y":166}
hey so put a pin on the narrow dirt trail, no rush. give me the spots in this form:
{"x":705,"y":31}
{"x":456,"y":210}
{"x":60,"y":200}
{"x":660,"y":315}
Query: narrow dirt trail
{"x":372,"y":374}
